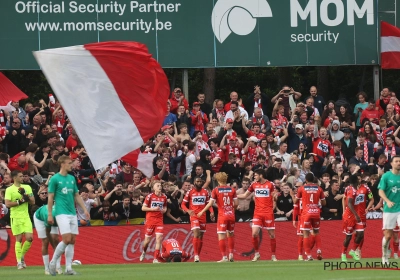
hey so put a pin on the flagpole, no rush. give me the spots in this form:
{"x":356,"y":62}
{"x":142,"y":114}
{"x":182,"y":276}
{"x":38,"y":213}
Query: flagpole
{"x":376,"y":75}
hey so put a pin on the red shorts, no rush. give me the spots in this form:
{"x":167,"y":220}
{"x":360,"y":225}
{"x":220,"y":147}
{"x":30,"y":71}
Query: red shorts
{"x":198,"y":223}
{"x":300,"y":225}
{"x":364,"y":222}
{"x":150,"y":229}
{"x":224,"y":225}
{"x":311,"y":222}
{"x":396,"y":229}
{"x":350,"y":225}
{"x":264,"y":221}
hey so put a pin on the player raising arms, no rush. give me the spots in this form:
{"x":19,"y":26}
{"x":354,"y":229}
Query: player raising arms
{"x":389,"y":191}
{"x":172,"y":252}
{"x":63,"y":190}
{"x":198,"y":199}
{"x":363,"y":194}
{"x":310,"y":195}
{"x":227,"y":202}
{"x":155,"y":205}
{"x":17,"y":198}
{"x":48,"y":234}
{"x":265,"y":195}
{"x":351,"y":220}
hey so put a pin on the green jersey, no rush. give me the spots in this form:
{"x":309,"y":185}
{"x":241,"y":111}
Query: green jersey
{"x":390,"y":184}
{"x":42,"y":215}
{"x":64,"y":189}
{"x":12,"y":194}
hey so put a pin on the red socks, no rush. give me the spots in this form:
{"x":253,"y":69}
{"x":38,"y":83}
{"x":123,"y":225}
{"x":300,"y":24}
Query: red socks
{"x":395,"y":247}
{"x":344,"y":250}
{"x":222,"y":247}
{"x":355,"y":246}
{"x":255,"y":243}
{"x":156,"y":254}
{"x":231,"y":244}
{"x":306,"y":244}
{"x":196,"y":246}
{"x":300,"y":245}
{"x":273,"y":245}
{"x":317,"y":238}
{"x":312,"y":241}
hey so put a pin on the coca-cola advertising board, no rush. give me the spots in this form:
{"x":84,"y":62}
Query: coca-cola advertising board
{"x":123,"y":244}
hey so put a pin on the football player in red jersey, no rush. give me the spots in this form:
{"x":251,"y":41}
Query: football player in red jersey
{"x":227,"y":202}
{"x":155,"y":205}
{"x":172,"y":252}
{"x":310,"y":195}
{"x":363,"y":194}
{"x":351,"y":220}
{"x":264,"y":198}
{"x":198,"y":198}
{"x":297,"y":215}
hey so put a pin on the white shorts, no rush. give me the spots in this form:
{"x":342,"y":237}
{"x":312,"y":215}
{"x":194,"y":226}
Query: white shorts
{"x":67,"y":224}
{"x":390,"y":219}
{"x":41,"y":228}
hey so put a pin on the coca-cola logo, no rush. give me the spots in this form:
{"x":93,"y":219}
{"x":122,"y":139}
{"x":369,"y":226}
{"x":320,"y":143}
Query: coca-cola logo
{"x":133,"y":244}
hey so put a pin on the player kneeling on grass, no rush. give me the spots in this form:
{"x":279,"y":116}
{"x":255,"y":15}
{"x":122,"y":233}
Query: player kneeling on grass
{"x":310,"y":195}
{"x":351,"y":220}
{"x":17,"y":198}
{"x":171,"y":251}
{"x":155,"y":205}
{"x":227,"y":202}
{"x":48,"y":234}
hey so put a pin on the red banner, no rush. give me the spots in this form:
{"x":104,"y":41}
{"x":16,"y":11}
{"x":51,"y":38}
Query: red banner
{"x":123,"y":244}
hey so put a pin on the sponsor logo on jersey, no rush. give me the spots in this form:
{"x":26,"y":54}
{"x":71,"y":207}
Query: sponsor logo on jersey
{"x":262,"y":193}
{"x":360,"y":198}
{"x":225,"y":190}
{"x":199,"y":200}
{"x":155,"y":204}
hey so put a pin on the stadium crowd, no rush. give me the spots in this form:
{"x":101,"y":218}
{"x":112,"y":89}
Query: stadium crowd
{"x":303,"y":134}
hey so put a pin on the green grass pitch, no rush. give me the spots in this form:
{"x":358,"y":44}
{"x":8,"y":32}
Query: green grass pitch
{"x":243,"y":270}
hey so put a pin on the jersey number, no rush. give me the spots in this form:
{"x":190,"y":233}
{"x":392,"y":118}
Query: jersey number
{"x":227,"y":201}
{"x":312,"y":198}
{"x":175,"y":245}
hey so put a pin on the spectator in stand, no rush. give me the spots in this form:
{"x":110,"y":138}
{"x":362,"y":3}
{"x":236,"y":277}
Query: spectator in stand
{"x":234,"y":96}
{"x":170,"y":118}
{"x":50,"y":166}
{"x":275,"y":171}
{"x":370,"y":113}
{"x":305,"y":169}
{"x":282,"y":153}
{"x":116,"y":194}
{"x":236,"y":111}
{"x":251,"y":150}
{"x":27,"y":140}
{"x":296,"y":136}
{"x":41,"y":134}
{"x":160,"y":168}
{"x":126,"y":175}
{"x":217,"y":155}
{"x":349,"y":144}
{"x":390,"y":116}
{"x":124,"y":209}
{"x":383,"y":100}
{"x":72,"y":141}
{"x":44,"y":149}
{"x":287,"y":96}
{"x":262,"y":120}
{"x":218,"y":112}
{"x":14,"y":136}
{"x":255,"y":130}
{"x":106,"y":213}
{"x":18,"y":162}
{"x":346,"y":119}
{"x":59,"y":119}
{"x":231,"y":168}
{"x":60,"y":147}
{"x":199,"y":118}
{"x":244,"y":211}
{"x":257,"y":99}
{"x":329,"y":118}
{"x":190,"y":159}
{"x":273,"y":143}
{"x":228,"y":130}
{"x":366,"y":147}
{"x":183,"y":117}
{"x":334,"y":130}
{"x":204,"y":107}
{"x":360,"y":107}
{"x":33,"y":165}
{"x":358,"y":160}
{"x":284,"y":203}
{"x":390,"y":149}
{"x":89,"y":204}
{"x":333,"y":209}
{"x":178,"y":99}
{"x":174,"y":200}
{"x":18,"y":109}
{"x":41,"y":196}
{"x":310,"y":109}
{"x":319,"y":101}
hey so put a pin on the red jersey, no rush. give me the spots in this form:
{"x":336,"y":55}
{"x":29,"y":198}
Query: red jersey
{"x":60,"y":124}
{"x":217,"y":154}
{"x":310,"y":196}
{"x":232,"y":150}
{"x":363,"y":193}
{"x":152,"y":200}
{"x":225,"y":197}
{"x":350,"y":192}
{"x":263,"y":198}
{"x":252,"y":154}
{"x":297,"y":210}
{"x":171,"y":247}
{"x":321,"y":147}
{"x":197,"y":200}
{"x":259,"y":135}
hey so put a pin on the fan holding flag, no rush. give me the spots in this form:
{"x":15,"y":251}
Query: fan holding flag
{"x":117,"y":77}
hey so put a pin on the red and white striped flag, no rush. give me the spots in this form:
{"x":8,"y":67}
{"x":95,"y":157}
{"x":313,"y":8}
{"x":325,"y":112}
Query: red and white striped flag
{"x":390,"y":46}
{"x":114,"y":93}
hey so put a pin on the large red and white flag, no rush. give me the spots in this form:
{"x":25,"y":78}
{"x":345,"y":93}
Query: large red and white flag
{"x":390,"y":46}
{"x":9,"y":92}
{"x":114,"y":93}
